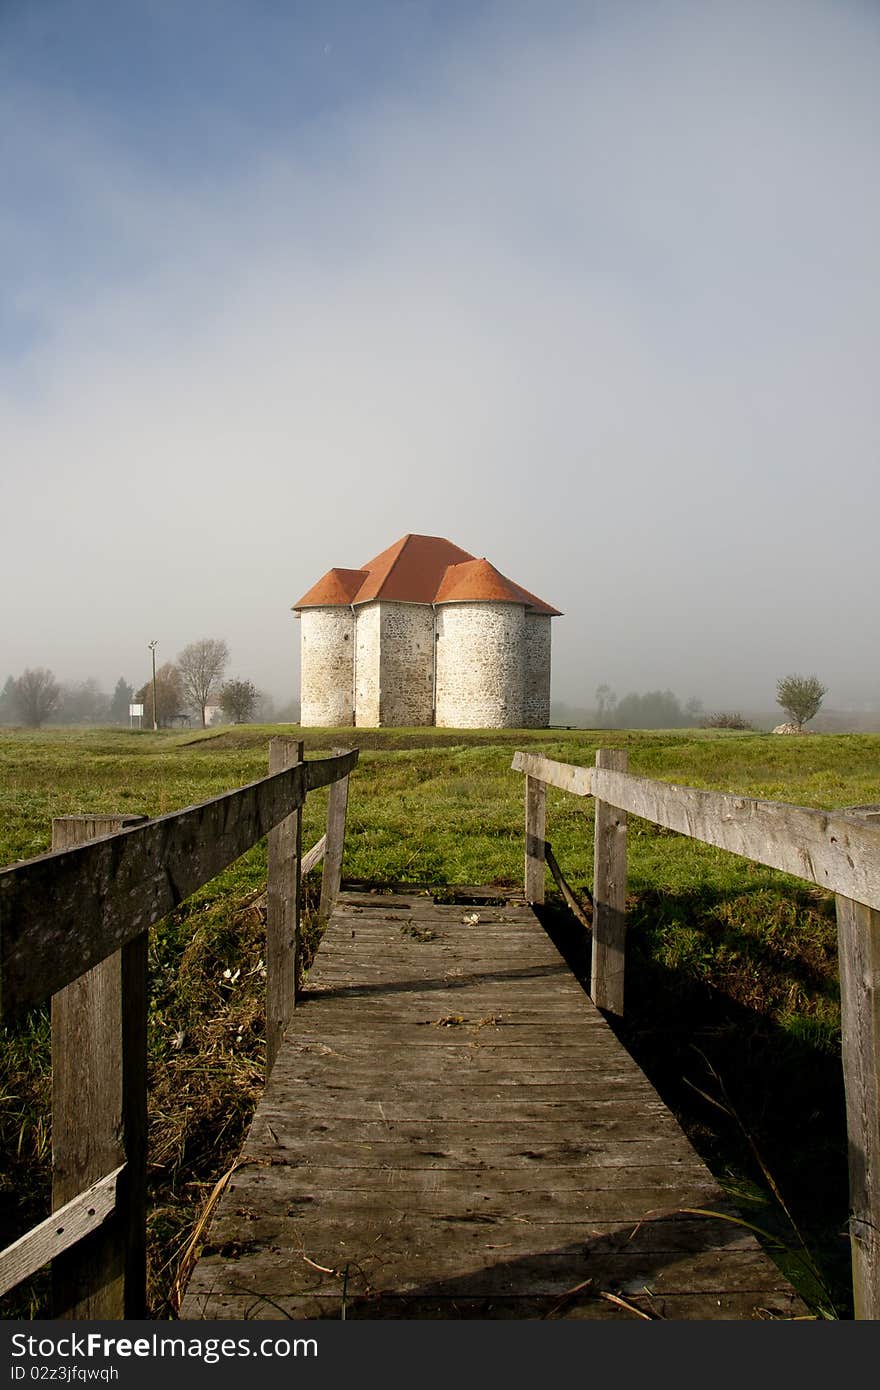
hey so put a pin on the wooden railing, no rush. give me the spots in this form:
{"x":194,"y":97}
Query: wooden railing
{"x":73,"y":928}
{"x":838,"y":850}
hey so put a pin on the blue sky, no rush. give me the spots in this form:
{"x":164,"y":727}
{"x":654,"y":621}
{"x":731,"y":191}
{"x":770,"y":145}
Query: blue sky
{"x":590,"y":289}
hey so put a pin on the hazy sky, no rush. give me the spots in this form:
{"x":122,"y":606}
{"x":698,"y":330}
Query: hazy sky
{"x":589,"y":288}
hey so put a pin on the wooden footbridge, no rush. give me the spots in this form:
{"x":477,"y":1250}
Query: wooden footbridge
{"x":450,"y":1127}
{"x":452,"y":1130}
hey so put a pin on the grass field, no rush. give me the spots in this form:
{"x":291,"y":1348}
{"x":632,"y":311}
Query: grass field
{"x":732,"y":1003}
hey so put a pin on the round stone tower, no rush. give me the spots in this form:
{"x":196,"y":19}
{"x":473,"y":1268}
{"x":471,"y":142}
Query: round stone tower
{"x":327,"y":649}
{"x":480,"y":665}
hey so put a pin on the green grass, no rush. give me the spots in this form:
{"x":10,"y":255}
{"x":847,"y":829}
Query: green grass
{"x":731,"y":967}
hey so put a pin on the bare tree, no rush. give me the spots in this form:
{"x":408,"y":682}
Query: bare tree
{"x":800,"y":696}
{"x":201,"y":666}
{"x":238,"y":699}
{"x":36,"y":695}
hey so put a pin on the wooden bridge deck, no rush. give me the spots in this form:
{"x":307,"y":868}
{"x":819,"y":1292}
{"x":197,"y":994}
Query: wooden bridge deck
{"x":452,"y":1130}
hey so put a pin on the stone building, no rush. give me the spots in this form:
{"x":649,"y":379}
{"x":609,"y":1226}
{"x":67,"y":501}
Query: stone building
{"x":424,"y":634}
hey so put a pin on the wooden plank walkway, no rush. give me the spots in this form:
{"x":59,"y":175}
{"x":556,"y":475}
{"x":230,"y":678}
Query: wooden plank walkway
{"x":452,"y":1130}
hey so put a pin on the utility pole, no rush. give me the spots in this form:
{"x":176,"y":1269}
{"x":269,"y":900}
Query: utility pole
{"x":152,"y":646}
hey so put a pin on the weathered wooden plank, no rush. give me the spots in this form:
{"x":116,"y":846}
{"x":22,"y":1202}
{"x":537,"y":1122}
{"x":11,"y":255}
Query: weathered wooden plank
{"x":320,"y":1181}
{"x":93,"y":1071}
{"x":609,"y":891}
{"x":858,"y":935}
{"x":588,"y":1304}
{"x":313,"y":856}
{"x":283,"y":901}
{"x":132,"y":1186}
{"x":66,"y":1227}
{"x":427,"y":1257}
{"x":565,"y":776}
{"x":536,"y":830}
{"x":476,"y":1153}
{"x":288,"y":1198}
{"x":105,"y":893}
{"x":836,"y":850}
{"x":337,"y":810}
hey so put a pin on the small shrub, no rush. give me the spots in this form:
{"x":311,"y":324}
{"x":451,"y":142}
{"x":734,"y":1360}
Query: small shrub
{"x":726,"y":719}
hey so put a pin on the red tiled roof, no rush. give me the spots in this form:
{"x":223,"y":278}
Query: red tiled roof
{"x":477,"y":580}
{"x":411,"y":569}
{"x":337,"y":587}
{"x":420,"y":569}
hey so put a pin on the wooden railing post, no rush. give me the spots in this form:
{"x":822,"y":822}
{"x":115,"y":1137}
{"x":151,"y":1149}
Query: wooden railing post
{"x":99,"y":1113}
{"x":283,"y":901}
{"x":858,"y":937}
{"x":331,"y":877}
{"x":536,"y":834}
{"x":609,"y":895}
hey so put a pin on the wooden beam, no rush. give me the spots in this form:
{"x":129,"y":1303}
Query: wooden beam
{"x":283,"y":905}
{"x":313,"y":857}
{"x":106,"y":893}
{"x":337,"y":810}
{"x":566,"y":776}
{"x":858,"y":936}
{"x":564,"y":889}
{"x":132,"y":1192}
{"x":536,"y":830}
{"x":836,"y":850}
{"x":609,"y":889}
{"x":99,"y":1087}
{"x":63,"y":1229}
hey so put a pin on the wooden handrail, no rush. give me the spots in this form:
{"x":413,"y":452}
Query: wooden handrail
{"x":108,"y":891}
{"x":837,"y":850}
{"x":73,"y":926}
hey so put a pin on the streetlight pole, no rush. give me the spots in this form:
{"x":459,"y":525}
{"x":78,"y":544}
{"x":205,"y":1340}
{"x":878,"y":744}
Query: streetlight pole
{"x":152,"y":646}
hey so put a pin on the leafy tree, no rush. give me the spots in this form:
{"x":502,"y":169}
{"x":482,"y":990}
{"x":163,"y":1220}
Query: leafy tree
{"x":170,"y":697}
{"x":122,"y":698}
{"x":36,"y":695}
{"x":800,"y":697}
{"x":85,"y":703}
{"x":655,"y":709}
{"x":7,"y":701}
{"x":238,"y":700}
{"x":201,"y":666}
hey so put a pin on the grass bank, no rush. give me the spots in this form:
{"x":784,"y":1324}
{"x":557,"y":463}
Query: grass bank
{"x":732,"y":988}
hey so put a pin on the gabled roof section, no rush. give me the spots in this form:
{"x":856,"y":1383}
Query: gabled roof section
{"x":337,"y":588}
{"x":477,"y":581}
{"x":420,"y":569}
{"x":410,"y":570}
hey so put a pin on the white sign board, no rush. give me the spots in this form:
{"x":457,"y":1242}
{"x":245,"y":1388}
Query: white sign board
{"x":136,"y":711}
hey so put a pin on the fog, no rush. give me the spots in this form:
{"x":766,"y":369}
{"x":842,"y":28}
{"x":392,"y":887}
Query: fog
{"x":589,"y":289}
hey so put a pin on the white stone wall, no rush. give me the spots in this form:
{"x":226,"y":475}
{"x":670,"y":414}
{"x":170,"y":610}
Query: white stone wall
{"x":367,"y":670}
{"x":480,"y":665}
{"x":536,"y":699}
{"x":406,"y":671}
{"x":327,"y":652}
{"x":493,"y":666}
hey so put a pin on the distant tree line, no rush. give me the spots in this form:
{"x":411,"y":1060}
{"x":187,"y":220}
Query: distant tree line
{"x":191,"y":686}
{"x":654,"y":709}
